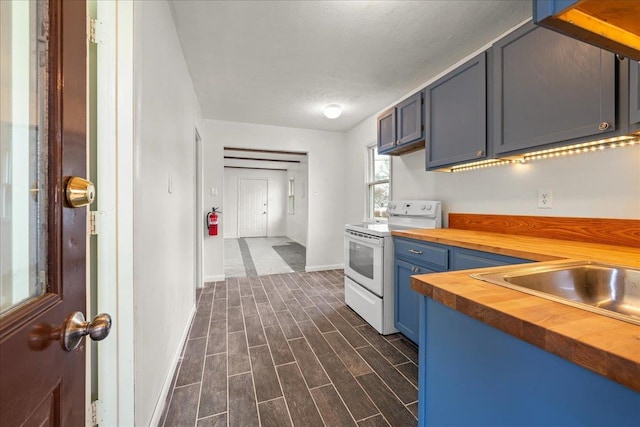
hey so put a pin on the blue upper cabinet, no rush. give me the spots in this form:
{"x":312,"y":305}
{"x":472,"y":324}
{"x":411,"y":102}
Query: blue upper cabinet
{"x":409,"y":114}
{"x":401,"y":128}
{"x":634,"y":95}
{"x":387,"y":130}
{"x":456,"y":115}
{"x":550,"y":90}
{"x":611,"y":25}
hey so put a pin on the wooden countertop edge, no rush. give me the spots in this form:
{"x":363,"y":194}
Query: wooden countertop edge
{"x":597,"y":349}
{"x":532,"y":248}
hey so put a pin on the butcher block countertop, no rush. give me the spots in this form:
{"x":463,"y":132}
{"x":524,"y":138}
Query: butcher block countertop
{"x":533,"y":248}
{"x":604,"y":345}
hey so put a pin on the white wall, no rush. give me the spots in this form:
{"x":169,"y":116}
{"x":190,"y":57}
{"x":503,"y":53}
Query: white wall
{"x":297,"y":222}
{"x":166,"y":114}
{"x":276,"y":200}
{"x":326,"y":183}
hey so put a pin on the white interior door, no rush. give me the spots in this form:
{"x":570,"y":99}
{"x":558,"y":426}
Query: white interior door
{"x":252,"y":207}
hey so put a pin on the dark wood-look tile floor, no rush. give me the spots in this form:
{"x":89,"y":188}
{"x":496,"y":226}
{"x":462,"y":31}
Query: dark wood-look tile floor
{"x":284,"y":350}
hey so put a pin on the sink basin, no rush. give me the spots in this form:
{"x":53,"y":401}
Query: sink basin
{"x":609,"y":290}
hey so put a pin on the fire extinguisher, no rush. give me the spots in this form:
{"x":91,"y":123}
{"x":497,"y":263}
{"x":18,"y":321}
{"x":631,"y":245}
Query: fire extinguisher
{"x":212,"y":221}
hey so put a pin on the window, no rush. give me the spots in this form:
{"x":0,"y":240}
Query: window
{"x":378,"y":184}
{"x":292,"y":188}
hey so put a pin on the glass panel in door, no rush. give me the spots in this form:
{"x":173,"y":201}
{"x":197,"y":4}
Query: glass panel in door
{"x":23,"y":152}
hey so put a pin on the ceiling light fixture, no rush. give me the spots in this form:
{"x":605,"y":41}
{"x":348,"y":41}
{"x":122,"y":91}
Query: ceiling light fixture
{"x":332,"y":111}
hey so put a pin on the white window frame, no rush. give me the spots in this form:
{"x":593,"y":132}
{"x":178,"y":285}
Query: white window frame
{"x":291,"y":196}
{"x":370,"y":182}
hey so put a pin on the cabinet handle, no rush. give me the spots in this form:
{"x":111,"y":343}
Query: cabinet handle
{"x":479,"y":153}
{"x":415,"y":269}
{"x":413,"y":251}
{"x":603,"y":126}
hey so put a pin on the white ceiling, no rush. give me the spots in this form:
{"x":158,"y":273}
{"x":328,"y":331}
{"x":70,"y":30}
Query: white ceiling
{"x":280,"y":62}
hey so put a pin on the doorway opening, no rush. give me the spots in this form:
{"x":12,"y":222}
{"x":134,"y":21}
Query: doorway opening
{"x":265,"y":199}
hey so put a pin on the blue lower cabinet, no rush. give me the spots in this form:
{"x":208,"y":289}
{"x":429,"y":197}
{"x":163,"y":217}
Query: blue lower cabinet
{"x":407,"y":303}
{"x":417,"y":257}
{"x":464,"y":259}
{"x":471,"y":374}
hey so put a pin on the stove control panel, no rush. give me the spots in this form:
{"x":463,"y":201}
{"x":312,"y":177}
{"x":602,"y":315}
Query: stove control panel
{"x":413,"y":207}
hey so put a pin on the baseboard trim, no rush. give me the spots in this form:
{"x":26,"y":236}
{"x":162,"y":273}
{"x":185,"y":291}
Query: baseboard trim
{"x":310,"y":268}
{"x":297,"y":241}
{"x":218,"y":278}
{"x":166,"y":387}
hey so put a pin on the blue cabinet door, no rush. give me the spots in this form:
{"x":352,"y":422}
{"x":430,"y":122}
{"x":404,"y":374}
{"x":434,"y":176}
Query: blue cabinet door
{"x":456,"y":115}
{"x":550,"y":90}
{"x":464,"y":259}
{"x":409,"y":120}
{"x":407,"y":301}
{"x":387,"y":130}
{"x":634,"y":95}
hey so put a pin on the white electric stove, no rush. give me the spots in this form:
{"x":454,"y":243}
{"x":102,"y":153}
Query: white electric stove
{"x":368,"y":264}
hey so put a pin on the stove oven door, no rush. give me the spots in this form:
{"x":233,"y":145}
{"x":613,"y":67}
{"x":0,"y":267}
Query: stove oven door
{"x":363,"y":260}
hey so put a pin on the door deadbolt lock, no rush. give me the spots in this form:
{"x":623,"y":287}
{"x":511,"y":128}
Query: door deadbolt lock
{"x":80,"y":192}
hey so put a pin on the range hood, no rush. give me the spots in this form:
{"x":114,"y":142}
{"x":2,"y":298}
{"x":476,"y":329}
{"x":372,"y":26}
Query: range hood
{"x":613,"y":25}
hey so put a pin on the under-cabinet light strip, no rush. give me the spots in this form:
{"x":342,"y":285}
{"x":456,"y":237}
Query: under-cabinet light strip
{"x":586,"y":147}
{"x":484,"y":164}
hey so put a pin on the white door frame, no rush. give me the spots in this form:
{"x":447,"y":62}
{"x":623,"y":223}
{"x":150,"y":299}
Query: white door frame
{"x":199,"y":220}
{"x":115,"y":144}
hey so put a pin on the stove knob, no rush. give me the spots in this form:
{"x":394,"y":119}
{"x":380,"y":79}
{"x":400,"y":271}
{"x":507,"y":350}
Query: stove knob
{"x":429,"y":207}
{"x":423,"y":207}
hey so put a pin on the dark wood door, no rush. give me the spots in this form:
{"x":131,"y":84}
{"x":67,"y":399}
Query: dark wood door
{"x":40,"y":383}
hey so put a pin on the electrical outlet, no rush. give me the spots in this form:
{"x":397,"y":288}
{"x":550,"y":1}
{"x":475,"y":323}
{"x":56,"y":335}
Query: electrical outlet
{"x":545,"y":198}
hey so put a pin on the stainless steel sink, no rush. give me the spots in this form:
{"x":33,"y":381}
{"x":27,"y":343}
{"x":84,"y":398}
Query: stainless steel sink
{"x":610,"y":290}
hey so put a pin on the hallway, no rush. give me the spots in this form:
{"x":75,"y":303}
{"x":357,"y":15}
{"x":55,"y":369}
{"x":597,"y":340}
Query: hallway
{"x":260,"y":256}
{"x":284,"y":350}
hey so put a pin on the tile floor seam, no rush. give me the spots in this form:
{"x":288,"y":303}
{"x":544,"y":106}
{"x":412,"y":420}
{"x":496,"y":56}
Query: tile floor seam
{"x":275,"y":367}
{"x":179,"y":367}
{"x":369,"y":417}
{"x":210,"y":416}
{"x":204,"y":359}
{"x":405,"y":377}
{"x":246,"y":337}
{"x":323,"y":370}
{"x":293,"y":286}
{"x":314,"y":400}
{"x":331,"y":381}
{"x":227,"y":345}
{"x":389,"y":388}
{"x":385,"y":383}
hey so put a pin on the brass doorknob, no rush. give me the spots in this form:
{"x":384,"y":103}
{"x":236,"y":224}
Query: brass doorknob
{"x":75,"y":328}
{"x":80,"y":192}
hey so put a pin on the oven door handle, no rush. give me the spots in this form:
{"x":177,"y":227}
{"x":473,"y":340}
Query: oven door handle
{"x":374,"y":242}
